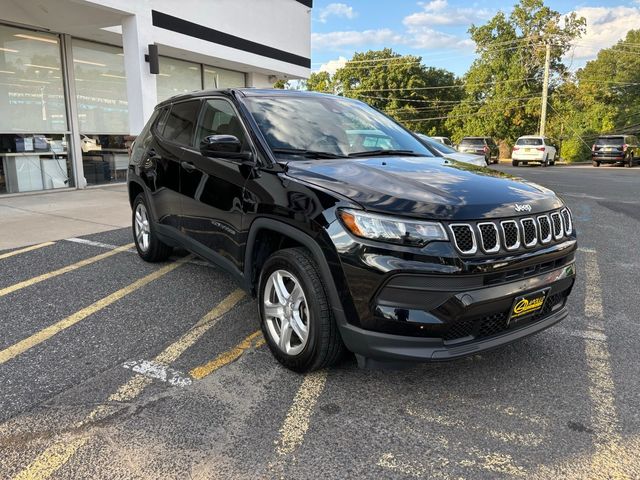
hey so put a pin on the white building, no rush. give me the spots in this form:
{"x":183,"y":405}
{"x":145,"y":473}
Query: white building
{"x":75,"y":85}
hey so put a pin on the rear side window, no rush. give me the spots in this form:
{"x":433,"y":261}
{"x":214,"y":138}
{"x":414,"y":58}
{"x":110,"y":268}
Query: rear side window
{"x":529,"y":141}
{"x":610,"y":141}
{"x":143,"y":140}
{"x":181,"y":122}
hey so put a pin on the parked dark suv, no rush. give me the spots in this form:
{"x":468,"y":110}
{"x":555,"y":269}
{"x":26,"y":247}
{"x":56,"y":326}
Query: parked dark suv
{"x":485,"y":146}
{"x":347,"y":238}
{"x":615,"y":149}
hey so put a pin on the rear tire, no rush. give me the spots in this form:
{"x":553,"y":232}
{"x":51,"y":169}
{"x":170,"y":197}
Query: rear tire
{"x":595,"y":164}
{"x":149,"y":246}
{"x":295,"y":314}
{"x":629,"y":162}
{"x":545,"y":162}
{"x":514,"y":163}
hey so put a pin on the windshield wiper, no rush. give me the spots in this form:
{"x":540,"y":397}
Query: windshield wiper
{"x":307,"y":153}
{"x":374,"y":153}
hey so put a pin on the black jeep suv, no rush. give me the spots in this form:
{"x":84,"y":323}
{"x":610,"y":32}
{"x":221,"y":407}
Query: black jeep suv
{"x":348,"y":231}
{"x":615,"y":149}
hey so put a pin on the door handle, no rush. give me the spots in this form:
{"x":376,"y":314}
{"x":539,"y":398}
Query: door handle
{"x":188,"y":166}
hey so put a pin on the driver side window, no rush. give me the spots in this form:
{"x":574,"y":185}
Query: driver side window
{"x":218,"y":117}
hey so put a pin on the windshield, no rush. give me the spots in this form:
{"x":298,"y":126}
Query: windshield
{"x":437,"y":145}
{"x":610,"y":141}
{"x":328,"y":124}
{"x":472,"y":141}
{"x":529,"y":141}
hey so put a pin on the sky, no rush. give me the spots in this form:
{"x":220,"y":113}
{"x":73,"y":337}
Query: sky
{"x":437,"y":29}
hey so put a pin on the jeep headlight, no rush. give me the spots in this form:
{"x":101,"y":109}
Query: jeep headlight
{"x":385,"y":228}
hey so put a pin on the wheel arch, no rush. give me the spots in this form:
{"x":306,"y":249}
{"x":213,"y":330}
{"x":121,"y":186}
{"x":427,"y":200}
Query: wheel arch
{"x":286,"y":236}
{"x":135,"y":188}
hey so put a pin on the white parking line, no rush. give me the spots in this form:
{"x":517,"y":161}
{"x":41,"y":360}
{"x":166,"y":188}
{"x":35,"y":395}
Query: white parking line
{"x":158,"y":371}
{"x":108,"y":246}
{"x":586,"y":334}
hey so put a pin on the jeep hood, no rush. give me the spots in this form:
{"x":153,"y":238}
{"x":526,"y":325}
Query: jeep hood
{"x":425,"y":187}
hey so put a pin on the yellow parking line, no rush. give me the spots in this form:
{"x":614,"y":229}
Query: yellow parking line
{"x":25,"y":250}
{"x":48,"y":332}
{"x":58,"y":454}
{"x":608,"y":459}
{"x":227,"y":357}
{"x":296,"y":423}
{"x":60,"y":271}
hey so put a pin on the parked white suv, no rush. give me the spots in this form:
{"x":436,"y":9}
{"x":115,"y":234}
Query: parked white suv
{"x":533,"y":149}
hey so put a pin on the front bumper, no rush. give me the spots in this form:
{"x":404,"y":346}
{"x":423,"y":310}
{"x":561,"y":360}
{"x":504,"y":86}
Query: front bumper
{"x":381,"y":346}
{"x":424,"y":318}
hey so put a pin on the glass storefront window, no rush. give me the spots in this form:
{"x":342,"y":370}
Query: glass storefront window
{"x":101,"y":88}
{"x":215,"y":77}
{"x":103,"y":115}
{"x":33,"y":123}
{"x":177,"y":76}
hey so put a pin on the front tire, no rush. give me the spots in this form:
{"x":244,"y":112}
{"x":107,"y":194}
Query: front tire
{"x":595,"y":164}
{"x":149,"y":246}
{"x":295,"y":314}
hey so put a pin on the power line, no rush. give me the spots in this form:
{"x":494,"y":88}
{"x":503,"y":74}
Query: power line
{"x":440,"y":87}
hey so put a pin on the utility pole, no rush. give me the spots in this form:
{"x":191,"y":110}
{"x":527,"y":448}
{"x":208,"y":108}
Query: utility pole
{"x":545,"y":90}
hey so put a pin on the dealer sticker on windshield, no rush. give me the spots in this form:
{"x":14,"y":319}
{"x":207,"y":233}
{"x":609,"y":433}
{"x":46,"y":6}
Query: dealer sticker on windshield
{"x":529,"y":304}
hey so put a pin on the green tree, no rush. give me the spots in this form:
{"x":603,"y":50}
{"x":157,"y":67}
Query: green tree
{"x":399,"y":85}
{"x":502,"y":89}
{"x":603,"y":97}
{"x":281,"y":84}
{"x":319,"y":82}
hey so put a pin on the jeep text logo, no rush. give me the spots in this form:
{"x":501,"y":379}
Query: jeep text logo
{"x":525,"y":207}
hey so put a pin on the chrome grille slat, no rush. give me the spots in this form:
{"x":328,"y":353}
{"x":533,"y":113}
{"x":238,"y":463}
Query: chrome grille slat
{"x":556,"y":222}
{"x":489,"y":237}
{"x":544,"y":224}
{"x":566,"y":221}
{"x":464,"y":238}
{"x":529,"y":232}
{"x":510,"y":234}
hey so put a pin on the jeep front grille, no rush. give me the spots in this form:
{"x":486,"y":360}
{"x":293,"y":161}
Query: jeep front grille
{"x":494,"y":236}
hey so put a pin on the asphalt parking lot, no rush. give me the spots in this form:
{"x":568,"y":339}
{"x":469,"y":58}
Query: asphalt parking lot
{"x":114,"y":368}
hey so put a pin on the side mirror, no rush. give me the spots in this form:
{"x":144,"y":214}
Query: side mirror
{"x":224,"y":146}
{"x":218,"y":145}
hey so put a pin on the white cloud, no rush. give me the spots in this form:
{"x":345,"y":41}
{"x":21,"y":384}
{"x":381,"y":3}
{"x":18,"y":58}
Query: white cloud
{"x":353,"y":38}
{"x":427,"y":38}
{"x":332,"y":65}
{"x":341,"y":10}
{"x":438,"y":12}
{"x":605,"y":26}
